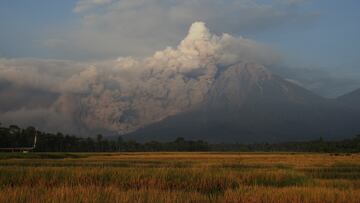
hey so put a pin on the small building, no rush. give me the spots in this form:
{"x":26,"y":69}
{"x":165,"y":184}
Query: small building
{"x":20,"y":149}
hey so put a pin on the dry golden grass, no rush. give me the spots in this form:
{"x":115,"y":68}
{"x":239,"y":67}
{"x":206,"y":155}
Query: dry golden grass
{"x":181,"y":177}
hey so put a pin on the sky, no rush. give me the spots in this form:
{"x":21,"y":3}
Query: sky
{"x":318,"y":40}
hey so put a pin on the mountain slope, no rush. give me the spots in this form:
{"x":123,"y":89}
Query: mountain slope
{"x":351,"y":99}
{"x":246,"y":103}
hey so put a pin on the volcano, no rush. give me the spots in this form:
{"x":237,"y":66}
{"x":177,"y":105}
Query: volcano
{"x":247,"y":103}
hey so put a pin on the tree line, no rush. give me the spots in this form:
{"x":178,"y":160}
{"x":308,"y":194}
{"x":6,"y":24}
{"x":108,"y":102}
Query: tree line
{"x":14,"y":136}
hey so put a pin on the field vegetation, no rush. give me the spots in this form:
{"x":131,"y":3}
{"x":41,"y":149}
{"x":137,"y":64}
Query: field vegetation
{"x":179,"y":177}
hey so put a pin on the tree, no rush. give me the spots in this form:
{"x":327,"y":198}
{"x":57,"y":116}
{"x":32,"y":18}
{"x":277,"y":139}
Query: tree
{"x":99,"y":138}
{"x":120,"y":143}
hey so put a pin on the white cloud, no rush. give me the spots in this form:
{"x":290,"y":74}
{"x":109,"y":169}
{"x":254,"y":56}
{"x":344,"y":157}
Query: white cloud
{"x":84,"y":5}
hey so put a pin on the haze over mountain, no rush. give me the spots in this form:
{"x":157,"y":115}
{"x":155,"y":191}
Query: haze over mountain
{"x":212,"y":87}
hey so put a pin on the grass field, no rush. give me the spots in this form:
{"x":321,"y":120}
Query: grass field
{"x":179,"y":177}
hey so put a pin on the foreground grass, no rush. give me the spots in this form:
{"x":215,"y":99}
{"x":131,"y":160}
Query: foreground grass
{"x":179,"y":177}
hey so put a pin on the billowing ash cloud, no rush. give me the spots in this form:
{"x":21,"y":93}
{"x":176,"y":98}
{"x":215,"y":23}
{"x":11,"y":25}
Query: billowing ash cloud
{"x":124,"y":94}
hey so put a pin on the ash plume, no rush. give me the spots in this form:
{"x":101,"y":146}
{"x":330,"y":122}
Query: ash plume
{"x":128,"y":93}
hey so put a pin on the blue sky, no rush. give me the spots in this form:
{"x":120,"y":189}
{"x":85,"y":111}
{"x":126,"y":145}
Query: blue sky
{"x":322,"y":34}
{"x":24,"y":22}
